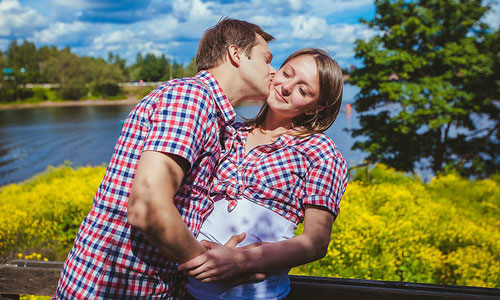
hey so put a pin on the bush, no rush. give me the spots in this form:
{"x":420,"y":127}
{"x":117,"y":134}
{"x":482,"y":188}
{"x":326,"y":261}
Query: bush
{"x":9,"y":93}
{"x":107,"y":89}
{"x":391,"y":226}
{"x":73,"y":90}
{"x":394,"y":227}
{"x":44,"y":213}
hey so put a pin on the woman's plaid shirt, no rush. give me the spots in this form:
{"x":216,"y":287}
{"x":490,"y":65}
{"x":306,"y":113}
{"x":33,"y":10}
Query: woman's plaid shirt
{"x":111,"y":260}
{"x":282,"y":176}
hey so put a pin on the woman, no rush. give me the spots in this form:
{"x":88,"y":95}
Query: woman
{"x":277,"y":170}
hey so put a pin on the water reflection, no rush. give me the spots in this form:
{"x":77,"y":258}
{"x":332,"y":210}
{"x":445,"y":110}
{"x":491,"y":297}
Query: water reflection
{"x":32,"y":139}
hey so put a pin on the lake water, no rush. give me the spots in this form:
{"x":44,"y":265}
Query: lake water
{"x":32,"y":139}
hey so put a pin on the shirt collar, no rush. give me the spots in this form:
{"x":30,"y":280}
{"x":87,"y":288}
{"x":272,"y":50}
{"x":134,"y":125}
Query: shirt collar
{"x":224,"y":108}
{"x":283,"y":140}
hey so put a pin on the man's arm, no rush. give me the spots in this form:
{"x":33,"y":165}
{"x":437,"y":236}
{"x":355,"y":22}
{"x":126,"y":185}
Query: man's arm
{"x":151,"y":207}
{"x":223,"y":263}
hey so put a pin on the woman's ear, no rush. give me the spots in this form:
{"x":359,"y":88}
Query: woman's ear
{"x":234,"y":55}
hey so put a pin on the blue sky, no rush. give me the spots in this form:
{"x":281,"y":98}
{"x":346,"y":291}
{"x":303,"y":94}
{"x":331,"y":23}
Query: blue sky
{"x":174,"y":27}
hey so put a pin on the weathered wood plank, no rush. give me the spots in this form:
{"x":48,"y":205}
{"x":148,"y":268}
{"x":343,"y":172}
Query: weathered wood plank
{"x":309,"y":287}
{"x":41,"y":278}
{"x":30,"y":278}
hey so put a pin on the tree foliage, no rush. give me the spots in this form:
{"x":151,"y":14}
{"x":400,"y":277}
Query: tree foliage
{"x":79,"y":76}
{"x":428,"y":86}
{"x":159,"y":68}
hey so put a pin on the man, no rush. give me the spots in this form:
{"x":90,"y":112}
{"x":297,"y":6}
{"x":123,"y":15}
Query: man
{"x":152,"y":200}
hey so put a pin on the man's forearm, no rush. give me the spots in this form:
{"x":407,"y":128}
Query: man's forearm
{"x":151,"y":207}
{"x":167,"y":231}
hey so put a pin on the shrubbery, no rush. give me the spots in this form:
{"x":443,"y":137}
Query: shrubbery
{"x":43,"y":214}
{"x":391,"y":226}
{"x":394,"y":227}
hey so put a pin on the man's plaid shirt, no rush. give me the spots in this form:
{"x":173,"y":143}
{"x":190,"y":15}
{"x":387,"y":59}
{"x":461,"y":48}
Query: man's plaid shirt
{"x":282,"y":176}
{"x":112,"y":260}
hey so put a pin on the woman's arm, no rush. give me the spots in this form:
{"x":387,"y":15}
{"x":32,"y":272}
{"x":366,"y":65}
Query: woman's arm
{"x":223,"y":263}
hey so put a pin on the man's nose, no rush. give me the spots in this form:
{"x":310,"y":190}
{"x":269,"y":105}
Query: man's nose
{"x":272,"y":72}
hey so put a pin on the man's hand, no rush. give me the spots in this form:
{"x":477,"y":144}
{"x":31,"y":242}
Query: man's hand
{"x":222,"y":263}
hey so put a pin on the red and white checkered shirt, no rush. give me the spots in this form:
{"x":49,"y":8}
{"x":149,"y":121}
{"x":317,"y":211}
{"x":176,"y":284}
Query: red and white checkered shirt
{"x":112,"y":260}
{"x":282,"y":176}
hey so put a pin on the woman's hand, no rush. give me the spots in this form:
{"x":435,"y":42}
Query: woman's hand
{"x":222,"y":263}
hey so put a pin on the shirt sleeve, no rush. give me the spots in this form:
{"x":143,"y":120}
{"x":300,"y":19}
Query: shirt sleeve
{"x":326,"y":183}
{"x":178,"y":121}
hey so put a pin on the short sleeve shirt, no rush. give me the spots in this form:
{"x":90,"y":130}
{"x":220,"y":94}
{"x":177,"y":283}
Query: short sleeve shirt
{"x":283,"y":176}
{"x":112,"y":260}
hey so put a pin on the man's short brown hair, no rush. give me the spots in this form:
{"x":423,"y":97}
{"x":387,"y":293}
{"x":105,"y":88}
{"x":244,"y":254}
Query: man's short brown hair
{"x":216,"y":41}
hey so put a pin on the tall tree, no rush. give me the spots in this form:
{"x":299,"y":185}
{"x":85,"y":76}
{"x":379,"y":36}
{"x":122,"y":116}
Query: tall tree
{"x":118,"y":62}
{"x":150,"y":67}
{"x":191,"y":68}
{"x":103,"y":77}
{"x":69,"y":71}
{"x":427,"y":87}
{"x":24,"y":61}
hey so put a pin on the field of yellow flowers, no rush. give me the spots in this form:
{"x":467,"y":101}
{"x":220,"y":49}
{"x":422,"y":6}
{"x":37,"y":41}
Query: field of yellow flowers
{"x":391,"y":226}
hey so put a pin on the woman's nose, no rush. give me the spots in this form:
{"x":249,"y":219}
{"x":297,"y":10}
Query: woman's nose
{"x":286,"y":88}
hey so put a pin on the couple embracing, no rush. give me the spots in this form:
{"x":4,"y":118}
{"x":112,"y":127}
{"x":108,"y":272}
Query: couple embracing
{"x":194,"y":206}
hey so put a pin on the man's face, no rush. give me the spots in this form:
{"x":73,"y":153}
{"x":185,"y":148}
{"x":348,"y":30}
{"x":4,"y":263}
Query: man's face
{"x":256,"y":70}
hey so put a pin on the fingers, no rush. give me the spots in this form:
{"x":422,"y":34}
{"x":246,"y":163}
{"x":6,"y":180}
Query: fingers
{"x":193,"y":263}
{"x":235,"y":240}
{"x":209,"y":245}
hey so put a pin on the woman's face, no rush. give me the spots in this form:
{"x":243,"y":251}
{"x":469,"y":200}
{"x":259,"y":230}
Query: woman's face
{"x":295,"y":88}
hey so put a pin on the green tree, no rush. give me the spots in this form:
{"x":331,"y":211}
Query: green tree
{"x":103,"y":77}
{"x":24,"y":61}
{"x":150,"y":68}
{"x":120,"y":63}
{"x":69,"y":71}
{"x":191,"y":68}
{"x":427,"y":87}
{"x":178,"y":70}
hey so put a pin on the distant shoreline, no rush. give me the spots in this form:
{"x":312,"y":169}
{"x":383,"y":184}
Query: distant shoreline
{"x":101,"y":102}
{"x":68,"y":103}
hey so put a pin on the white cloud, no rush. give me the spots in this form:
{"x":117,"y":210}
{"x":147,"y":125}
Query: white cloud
{"x":17,"y":20}
{"x":75,"y":5}
{"x":296,"y":4}
{"x":114,"y":39}
{"x":165,"y":27}
{"x":68,"y":33}
{"x":308,"y":27}
{"x":493,"y":17}
{"x":174,"y":27}
{"x":264,"y":21}
{"x":192,"y":10}
{"x":325,"y":8}
{"x":348,"y":33}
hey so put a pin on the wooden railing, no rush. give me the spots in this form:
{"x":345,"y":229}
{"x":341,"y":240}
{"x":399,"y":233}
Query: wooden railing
{"x":40,"y":278}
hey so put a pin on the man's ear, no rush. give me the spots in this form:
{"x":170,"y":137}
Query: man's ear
{"x":234,"y":54}
{"x":314,"y":110}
